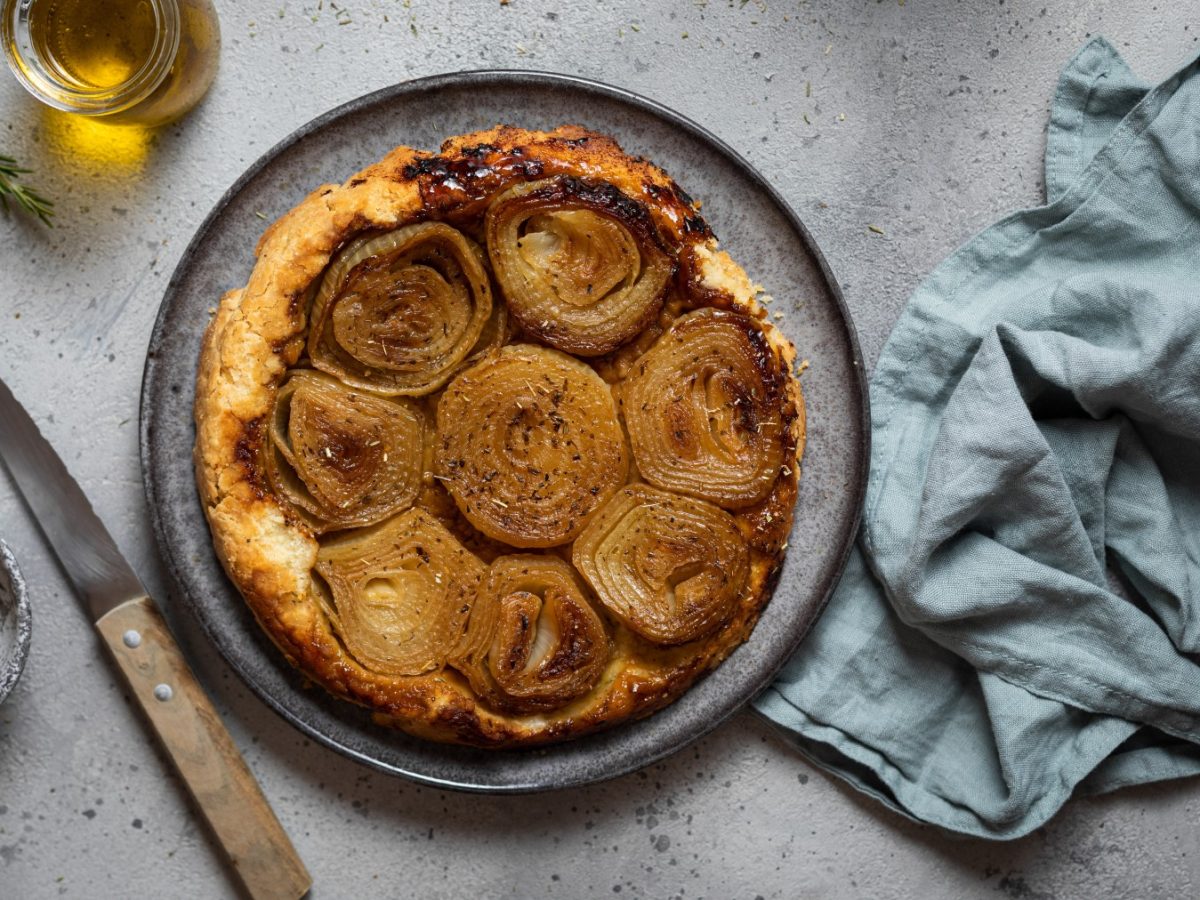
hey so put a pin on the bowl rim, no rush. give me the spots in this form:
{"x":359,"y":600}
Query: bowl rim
{"x":13,"y":584}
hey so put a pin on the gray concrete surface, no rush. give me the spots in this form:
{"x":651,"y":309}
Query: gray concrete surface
{"x":944,"y":109}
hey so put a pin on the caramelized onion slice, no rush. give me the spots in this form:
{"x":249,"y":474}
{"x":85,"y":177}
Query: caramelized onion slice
{"x":671,"y":568}
{"x":704,"y":409}
{"x":530,"y":445}
{"x":534,"y":641}
{"x":401,"y":592}
{"x":398,"y":313}
{"x":578,"y":262}
{"x":341,"y":456}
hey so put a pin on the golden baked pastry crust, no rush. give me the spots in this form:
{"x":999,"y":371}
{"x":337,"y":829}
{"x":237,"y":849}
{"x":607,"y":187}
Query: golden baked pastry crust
{"x":258,"y":333}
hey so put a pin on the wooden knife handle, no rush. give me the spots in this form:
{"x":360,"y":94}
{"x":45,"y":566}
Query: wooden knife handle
{"x":203,"y":752}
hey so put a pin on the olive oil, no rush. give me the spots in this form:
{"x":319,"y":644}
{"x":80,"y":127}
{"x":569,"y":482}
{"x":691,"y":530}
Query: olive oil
{"x":94,"y":43}
{"x":129,"y":61}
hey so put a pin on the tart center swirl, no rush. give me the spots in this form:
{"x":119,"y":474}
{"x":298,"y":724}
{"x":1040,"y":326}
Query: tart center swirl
{"x":530,"y":445}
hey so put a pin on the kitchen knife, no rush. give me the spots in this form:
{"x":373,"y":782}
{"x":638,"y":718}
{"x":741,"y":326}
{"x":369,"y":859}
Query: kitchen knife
{"x":151,"y":663}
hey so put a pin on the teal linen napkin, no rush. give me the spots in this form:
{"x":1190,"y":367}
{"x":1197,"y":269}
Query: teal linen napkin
{"x":1021,"y":616}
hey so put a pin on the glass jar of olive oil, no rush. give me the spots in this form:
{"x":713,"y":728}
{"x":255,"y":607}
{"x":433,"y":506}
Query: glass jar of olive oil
{"x":143,"y":62}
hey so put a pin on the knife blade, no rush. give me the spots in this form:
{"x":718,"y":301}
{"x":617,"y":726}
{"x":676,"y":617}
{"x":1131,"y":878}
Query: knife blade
{"x":147,"y":656}
{"x":89,"y":557}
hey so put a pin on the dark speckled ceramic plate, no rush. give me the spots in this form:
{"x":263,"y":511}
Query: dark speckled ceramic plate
{"x":753,"y":223}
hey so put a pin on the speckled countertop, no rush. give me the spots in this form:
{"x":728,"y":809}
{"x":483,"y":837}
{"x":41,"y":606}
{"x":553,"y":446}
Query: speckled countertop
{"x":926,"y":119}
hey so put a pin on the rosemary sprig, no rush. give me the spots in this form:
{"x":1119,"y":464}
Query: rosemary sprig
{"x":26,"y":197}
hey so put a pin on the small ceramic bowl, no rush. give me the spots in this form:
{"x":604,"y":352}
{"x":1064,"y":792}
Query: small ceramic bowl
{"x":14,"y":622}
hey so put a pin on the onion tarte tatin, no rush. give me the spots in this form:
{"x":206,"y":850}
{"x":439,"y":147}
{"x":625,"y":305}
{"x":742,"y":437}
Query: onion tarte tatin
{"x":496,"y":442}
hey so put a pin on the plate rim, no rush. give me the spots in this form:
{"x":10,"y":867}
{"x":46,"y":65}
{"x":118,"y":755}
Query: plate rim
{"x":433,"y":83}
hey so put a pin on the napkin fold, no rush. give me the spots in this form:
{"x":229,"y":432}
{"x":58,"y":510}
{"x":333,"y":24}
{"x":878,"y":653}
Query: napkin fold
{"x":1021,"y":615}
